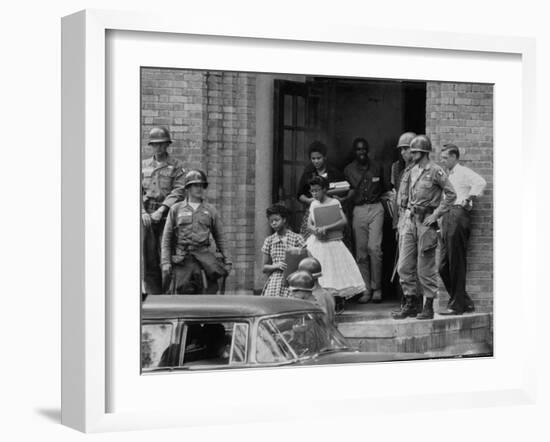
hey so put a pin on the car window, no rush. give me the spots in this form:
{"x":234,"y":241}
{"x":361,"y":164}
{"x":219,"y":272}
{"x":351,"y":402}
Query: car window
{"x":239,"y":344}
{"x":214,"y":343}
{"x":156,"y":350}
{"x":271,"y":344}
{"x":296,"y":336}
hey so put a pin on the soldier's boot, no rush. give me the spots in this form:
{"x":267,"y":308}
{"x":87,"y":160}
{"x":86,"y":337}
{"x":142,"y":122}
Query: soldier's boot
{"x":428,"y":310}
{"x":407,"y":311}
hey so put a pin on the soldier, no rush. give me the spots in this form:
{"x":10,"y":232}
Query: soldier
{"x":323,"y":297}
{"x":455,"y":230}
{"x":186,"y":254}
{"x":300,"y":286}
{"x":428,"y":194}
{"x":399,"y":170}
{"x":161,"y":186}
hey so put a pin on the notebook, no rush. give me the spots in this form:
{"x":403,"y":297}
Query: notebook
{"x":293,"y":256}
{"x":326,"y":215}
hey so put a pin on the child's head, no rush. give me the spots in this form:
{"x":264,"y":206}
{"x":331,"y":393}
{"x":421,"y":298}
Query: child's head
{"x":318,"y":187}
{"x":311,"y":265}
{"x":277,"y":215}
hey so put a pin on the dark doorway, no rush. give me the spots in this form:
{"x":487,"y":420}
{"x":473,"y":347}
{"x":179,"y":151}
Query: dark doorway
{"x":335,"y":111}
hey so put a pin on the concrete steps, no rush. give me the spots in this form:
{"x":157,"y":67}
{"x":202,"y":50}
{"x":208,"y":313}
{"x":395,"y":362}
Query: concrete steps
{"x":371,"y":328}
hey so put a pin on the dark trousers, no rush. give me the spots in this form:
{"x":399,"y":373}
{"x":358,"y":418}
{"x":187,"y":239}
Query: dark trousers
{"x":455,"y":232}
{"x":198,"y":273}
{"x":152,"y":275}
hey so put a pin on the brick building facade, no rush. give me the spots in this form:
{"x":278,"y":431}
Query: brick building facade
{"x":211,"y":116}
{"x":463,"y":114}
{"x":222,"y":122}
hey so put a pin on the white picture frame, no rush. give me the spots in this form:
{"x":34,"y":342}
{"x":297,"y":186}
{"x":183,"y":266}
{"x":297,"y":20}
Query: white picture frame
{"x":86,"y":232}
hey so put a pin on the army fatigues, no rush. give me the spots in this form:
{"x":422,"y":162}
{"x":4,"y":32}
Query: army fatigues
{"x":399,"y":175}
{"x":186,"y":246}
{"x":423,"y":191}
{"x":161,"y":185}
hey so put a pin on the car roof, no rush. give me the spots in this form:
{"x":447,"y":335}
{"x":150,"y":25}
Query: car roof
{"x":221,"y":306}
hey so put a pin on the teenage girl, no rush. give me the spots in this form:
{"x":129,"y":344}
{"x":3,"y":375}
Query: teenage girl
{"x":340,"y":271}
{"x":274,"y":250}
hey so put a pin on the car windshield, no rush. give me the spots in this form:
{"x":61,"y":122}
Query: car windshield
{"x":302,"y":335}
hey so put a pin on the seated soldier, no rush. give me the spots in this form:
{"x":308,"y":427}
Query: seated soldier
{"x":185,"y":253}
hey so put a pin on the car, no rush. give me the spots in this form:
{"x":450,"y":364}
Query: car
{"x":210,"y":332}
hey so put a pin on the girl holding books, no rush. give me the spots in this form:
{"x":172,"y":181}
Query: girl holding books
{"x":274,"y":250}
{"x":326,"y":222}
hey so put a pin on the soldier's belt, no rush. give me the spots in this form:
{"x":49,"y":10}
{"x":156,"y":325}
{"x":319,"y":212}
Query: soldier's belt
{"x":177,"y":259}
{"x":151,"y":205}
{"x":420,"y":212}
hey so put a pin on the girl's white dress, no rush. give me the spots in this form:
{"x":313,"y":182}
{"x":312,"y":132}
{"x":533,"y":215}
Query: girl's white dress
{"x":338,"y":266}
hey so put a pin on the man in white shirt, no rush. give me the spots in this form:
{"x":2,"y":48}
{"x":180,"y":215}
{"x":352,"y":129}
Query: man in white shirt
{"x":455,"y":230}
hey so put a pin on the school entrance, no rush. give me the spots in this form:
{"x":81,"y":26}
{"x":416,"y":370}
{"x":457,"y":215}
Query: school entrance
{"x":335,"y":111}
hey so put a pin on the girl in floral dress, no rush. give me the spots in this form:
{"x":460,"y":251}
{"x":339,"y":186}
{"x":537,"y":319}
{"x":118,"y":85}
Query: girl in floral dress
{"x":340,"y":271}
{"x":274,"y":250}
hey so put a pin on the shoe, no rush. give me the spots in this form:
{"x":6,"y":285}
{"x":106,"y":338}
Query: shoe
{"x":449,"y":312}
{"x":469,"y":309}
{"x":377,"y":296}
{"x":407,"y":311}
{"x":366,"y":298}
{"x":428,"y":310}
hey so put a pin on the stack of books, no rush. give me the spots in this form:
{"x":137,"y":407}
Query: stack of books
{"x":338,"y":188}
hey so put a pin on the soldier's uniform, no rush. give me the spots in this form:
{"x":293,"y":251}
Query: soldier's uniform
{"x":186,"y":246}
{"x":425,"y":191}
{"x":161,"y":185}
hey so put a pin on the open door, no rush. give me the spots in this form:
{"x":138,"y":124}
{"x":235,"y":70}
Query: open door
{"x":296,"y":125}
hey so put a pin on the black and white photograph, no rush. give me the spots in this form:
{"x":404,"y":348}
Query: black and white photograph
{"x":298,"y":220}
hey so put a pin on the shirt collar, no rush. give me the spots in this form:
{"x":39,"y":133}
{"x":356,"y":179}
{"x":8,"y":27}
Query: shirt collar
{"x":426,"y":167}
{"x":169,"y":161}
{"x":457,"y":168}
{"x":187,"y":204}
{"x":362,"y":166}
{"x":279,"y":238}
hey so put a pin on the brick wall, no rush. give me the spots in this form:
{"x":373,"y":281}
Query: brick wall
{"x":463,"y":114}
{"x":211,"y":116}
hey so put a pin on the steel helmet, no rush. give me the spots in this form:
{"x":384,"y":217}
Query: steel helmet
{"x":159,"y":135}
{"x":405,"y":139}
{"x":421,"y":143}
{"x":312,"y":266}
{"x":195,"y":176}
{"x":300,"y":280}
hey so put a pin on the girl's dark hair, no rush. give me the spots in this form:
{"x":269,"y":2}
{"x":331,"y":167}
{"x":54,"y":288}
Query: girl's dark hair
{"x":278,"y":209}
{"x":319,"y":181}
{"x":317,"y":146}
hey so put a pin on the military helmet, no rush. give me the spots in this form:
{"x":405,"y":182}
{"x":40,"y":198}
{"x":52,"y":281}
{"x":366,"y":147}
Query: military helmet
{"x":311,"y":265}
{"x":300,"y":280}
{"x":405,"y":139}
{"x":195,"y":176}
{"x":421,"y":143}
{"x":159,"y":135}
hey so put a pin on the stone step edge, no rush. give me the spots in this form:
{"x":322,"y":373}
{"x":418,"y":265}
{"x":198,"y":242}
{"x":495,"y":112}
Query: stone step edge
{"x":389,"y":330}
